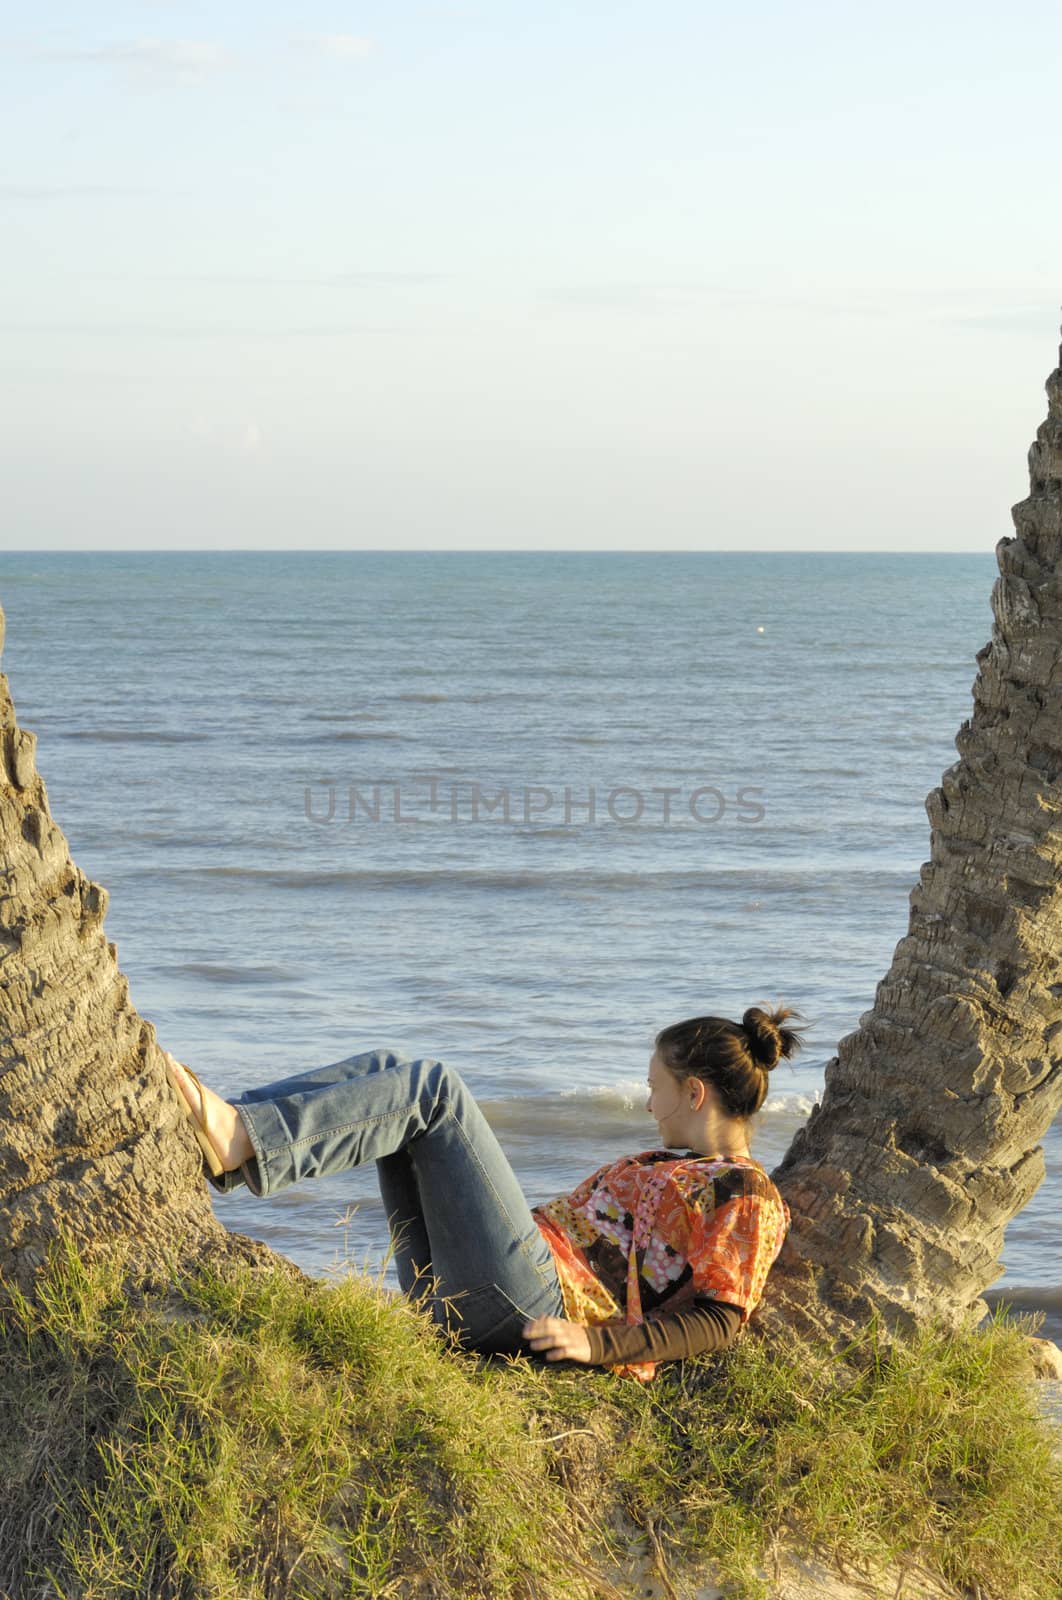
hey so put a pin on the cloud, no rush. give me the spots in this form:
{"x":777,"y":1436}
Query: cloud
{"x":231,"y":438}
{"x":1037,"y":319}
{"x":353,"y":280}
{"x":65,"y":191}
{"x":343,"y":46}
{"x":158,"y":60}
{"x":879,"y":303}
{"x":612,"y":296}
{"x":160,"y":330}
{"x":260,"y":280}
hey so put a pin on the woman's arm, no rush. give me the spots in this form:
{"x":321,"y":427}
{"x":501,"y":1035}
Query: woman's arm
{"x":706,"y":1325}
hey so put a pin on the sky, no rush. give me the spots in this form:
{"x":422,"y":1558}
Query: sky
{"x":516,"y":276}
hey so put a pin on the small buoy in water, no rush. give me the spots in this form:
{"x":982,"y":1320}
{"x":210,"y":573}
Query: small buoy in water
{"x":761,"y":630}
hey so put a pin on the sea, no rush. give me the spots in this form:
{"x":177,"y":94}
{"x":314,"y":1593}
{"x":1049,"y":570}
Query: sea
{"x":514,"y":810}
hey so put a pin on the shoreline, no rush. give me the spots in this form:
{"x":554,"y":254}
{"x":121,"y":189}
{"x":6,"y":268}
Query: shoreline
{"x":1025,"y":1300}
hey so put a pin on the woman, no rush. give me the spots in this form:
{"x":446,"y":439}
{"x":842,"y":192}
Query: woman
{"x":652,"y":1258}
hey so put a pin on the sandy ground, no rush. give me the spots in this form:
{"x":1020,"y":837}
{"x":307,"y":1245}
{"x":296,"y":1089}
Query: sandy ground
{"x":793,"y":1577}
{"x":1049,"y":1395}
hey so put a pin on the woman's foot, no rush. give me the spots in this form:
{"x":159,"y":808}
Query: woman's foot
{"x":218,"y":1125}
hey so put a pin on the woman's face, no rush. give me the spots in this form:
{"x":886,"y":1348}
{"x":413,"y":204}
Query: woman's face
{"x":666,"y":1104}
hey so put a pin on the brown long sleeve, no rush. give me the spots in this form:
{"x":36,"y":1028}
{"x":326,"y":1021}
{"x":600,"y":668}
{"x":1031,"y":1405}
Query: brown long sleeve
{"x":706,"y":1325}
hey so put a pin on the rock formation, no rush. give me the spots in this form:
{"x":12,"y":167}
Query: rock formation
{"x":927,"y":1141}
{"x":92,"y":1138}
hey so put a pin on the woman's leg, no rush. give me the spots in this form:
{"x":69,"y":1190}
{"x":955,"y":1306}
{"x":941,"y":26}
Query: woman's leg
{"x":410,"y":1240}
{"x":464,"y":1235}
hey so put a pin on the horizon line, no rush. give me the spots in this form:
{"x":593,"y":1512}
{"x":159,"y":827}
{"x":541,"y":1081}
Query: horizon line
{"x":350,"y":550}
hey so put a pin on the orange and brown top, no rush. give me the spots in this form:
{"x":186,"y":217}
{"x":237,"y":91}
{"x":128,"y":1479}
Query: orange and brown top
{"x":659,"y":1235}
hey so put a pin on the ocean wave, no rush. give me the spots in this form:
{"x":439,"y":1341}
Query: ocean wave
{"x":583,"y":738}
{"x":346,"y":736}
{"x":558,"y":1120}
{"x":501,"y":694}
{"x":216,"y":972}
{"x":1023,"y":1300}
{"x":790,"y":1105}
{"x":569,"y":1109}
{"x":342,"y":716}
{"x":629,"y":1094}
{"x":739,"y":880}
{"x":131,"y":736}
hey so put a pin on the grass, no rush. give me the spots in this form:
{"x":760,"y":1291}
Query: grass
{"x":257,"y":1437}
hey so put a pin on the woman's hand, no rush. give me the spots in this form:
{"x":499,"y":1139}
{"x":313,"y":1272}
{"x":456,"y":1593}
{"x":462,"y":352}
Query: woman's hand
{"x":560,"y":1340}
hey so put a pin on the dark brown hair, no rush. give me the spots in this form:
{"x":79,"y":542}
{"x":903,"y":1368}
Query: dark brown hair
{"x":734,"y":1057}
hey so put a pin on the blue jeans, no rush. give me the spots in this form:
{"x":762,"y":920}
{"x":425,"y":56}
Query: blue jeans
{"x":465,"y":1242}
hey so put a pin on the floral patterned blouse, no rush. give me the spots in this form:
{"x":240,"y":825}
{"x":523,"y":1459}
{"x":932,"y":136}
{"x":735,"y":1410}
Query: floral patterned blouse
{"x":653,"y":1233}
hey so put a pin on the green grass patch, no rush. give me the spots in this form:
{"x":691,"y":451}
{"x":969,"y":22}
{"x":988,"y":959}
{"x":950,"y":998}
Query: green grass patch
{"x":255,"y":1436}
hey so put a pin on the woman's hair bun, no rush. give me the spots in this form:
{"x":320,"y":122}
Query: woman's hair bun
{"x":769,"y":1038}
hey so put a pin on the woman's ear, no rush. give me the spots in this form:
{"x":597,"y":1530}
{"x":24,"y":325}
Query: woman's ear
{"x":697,"y":1090}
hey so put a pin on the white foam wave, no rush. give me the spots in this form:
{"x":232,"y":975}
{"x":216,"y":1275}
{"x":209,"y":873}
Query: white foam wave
{"x":626,"y":1095}
{"x":790,"y":1105}
{"x":629,"y":1095}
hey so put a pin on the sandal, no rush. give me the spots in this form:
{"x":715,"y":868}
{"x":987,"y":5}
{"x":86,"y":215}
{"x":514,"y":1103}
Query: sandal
{"x":199,"y":1123}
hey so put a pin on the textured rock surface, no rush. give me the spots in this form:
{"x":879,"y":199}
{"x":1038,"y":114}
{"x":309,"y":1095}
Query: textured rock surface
{"x":1046,"y":1359}
{"x":927,"y":1139}
{"x":92,"y":1138}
